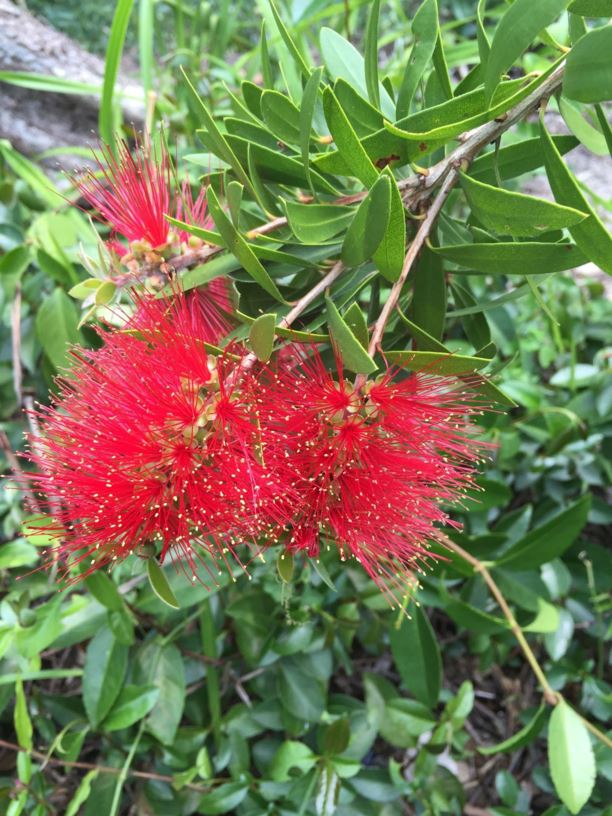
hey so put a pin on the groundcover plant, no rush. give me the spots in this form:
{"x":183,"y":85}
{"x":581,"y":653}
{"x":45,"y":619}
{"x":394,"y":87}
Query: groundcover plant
{"x":310,"y":516}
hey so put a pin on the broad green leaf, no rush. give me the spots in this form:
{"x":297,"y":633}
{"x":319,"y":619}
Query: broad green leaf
{"x":389,"y":257}
{"x":550,"y":539}
{"x":371,"y":54}
{"x":424,"y":340}
{"x":17,"y":553}
{"x":105,"y":668}
{"x":356,"y":321}
{"x":132,"y":704}
{"x":425,"y":31}
{"x":337,"y":736}
{"x":347,"y":142}
{"x":516,"y":31}
{"x":239,"y":247}
{"x":516,"y":159}
{"x":251,"y":95}
{"x":588,"y":70}
{"x":281,"y":116}
{"x":317,"y":223}
{"x":403,"y":721}
{"x":161,"y":665}
{"x":571,"y":758}
{"x":223,"y":799}
{"x":21,"y":718}
{"x":523,"y":737}
{"x":590,"y":235}
{"x":591,"y":8}
{"x":159,"y":583}
{"x":516,"y":258}
{"x":428,"y":307}
{"x":417,"y":656}
{"x":291,"y":754}
{"x":301,"y":693}
{"x":546,"y":620}
{"x":510,"y":213}
{"x":354,"y":356}
{"x":343,"y":60}
{"x":366,"y":230}
{"x":114,"y":50}
{"x":558,"y":642}
{"x":307,"y":111}
{"x":261,"y":336}
{"x":104,"y":590}
{"x":436,"y":362}
{"x":56,"y":327}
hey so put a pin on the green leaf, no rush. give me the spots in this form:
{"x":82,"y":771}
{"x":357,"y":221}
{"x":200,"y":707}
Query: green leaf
{"x":550,"y":539}
{"x":52,"y":84}
{"x":591,"y":8}
{"x":369,"y":225}
{"x":405,"y":720}
{"x":354,"y":356}
{"x":337,"y":736}
{"x":357,"y":323}
{"x":578,"y":119}
{"x":473,"y":618}
{"x":261,"y":336}
{"x":105,"y":668}
{"x":104,"y":590}
{"x":239,"y":247}
{"x":546,"y":620}
{"x":307,"y":110}
{"x":223,"y":799}
{"x":588,"y":70}
{"x":82,"y":793}
{"x":605,"y":127}
{"x":347,"y":141}
{"x":516,"y":31}
{"x":56,"y":327}
{"x":558,"y":641}
{"x":523,"y":737}
{"x":342,"y":60}
{"x":428,"y":307}
{"x":436,"y":362}
{"x":291,"y":754}
{"x":30,"y":173}
{"x":21,"y":718}
{"x":146,"y":34}
{"x":516,"y":159}
{"x":161,"y":665}
{"x":281,"y":116}
{"x":425,"y":32}
{"x":317,"y":223}
{"x":289,"y":42}
{"x":389,"y":257}
{"x":571,"y":758}
{"x":301,"y":693}
{"x":371,"y":54}
{"x":590,"y":235}
{"x":132,"y":704}
{"x":516,"y":258}
{"x":159,"y":583}
{"x":510,"y":213}
{"x":416,"y":655}
{"x":114,"y":50}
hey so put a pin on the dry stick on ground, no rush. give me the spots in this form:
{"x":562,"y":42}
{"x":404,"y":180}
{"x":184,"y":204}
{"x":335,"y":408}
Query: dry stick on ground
{"x":551,"y":696}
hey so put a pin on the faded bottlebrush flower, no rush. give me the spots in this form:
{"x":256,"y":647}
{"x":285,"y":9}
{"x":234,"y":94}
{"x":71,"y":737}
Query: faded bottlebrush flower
{"x":151,"y":442}
{"x":365,"y":470}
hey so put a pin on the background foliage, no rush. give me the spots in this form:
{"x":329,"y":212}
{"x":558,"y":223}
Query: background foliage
{"x":299,"y":691}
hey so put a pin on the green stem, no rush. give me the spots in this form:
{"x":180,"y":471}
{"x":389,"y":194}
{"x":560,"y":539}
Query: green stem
{"x":121,"y":779}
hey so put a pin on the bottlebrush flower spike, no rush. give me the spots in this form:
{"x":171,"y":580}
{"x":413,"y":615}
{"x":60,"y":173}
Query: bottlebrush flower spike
{"x":133,"y":193}
{"x":365,"y":470}
{"x":151,"y":442}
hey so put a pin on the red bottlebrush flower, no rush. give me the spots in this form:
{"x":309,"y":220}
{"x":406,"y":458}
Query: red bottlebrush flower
{"x":365,"y":470}
{"x":133,"y":193}
{"x":151,"y":442}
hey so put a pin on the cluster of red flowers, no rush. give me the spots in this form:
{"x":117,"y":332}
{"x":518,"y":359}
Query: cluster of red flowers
{"x":155,"y":445}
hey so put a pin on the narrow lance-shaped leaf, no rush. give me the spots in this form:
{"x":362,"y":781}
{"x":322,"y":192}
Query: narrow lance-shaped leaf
{"x":371,"y":54}
{"x":588,"y":70}
{"x":428,"y":306}
{"x":114,"y":51}
{"x":425,"y":31}
{"x":389,"y":257}
{"x":417,"y":656}
{"x":510,"y":213}
{"x":356,"y":321}
{"x":528,"y":258}
{"x":347,"y":142}
{"x":571,"y":758}
{"x":354,"y":356}
{"x":484,"y":46}
{"x":307,"y":110}
{"x":590,"y":235}
{"x":261,"y":336}
{"x":317,"y":223}
{"x":289,"y":42}
{"x":159,"y":584}
{"x":435,"y":362}
{"x":517,"y":29}
{"x":369,"y":224}
{"x":523,"y":737}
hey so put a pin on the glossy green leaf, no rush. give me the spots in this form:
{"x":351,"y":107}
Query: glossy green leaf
{"x":132,"y":704}
{"x":366,"y":230}
{"x":516,"y":31}
{"x":511,"y":213}
{"x":591,"y":8}
{"x":347,"y":142}
{"x":104,"y":590}
{"x":161,"y":665}
{"x":114,"y":50}
{"x":281,"y":116}
{"x":363,"y":116}
{"x":590,"y":235}
{"x":159,"y":583}
{"x":425,"y":32}
{"x":356,"y":321}
{"x":223,"y":799}
{"x":516,"y":258}
{"x":291,"y":754}
{"x":437,"y":362}
{"x":404,"y":721}
{"x":416,"y":654}
{"x":571,"y":758}
{"x":342,"y":60}
{"x":317,"y":223}
{"x":588,"y":70}
{"x":549,"y":540}
{"x":354,"y":356}
{"x":389,"y":257}
{"x":56,"y":327}
{"x":306,"y":114}
{"x":239,"y":247}
{"x":261,"y":336}
{"x":105,"y":668}
{"x":371,"y":54}
{"x":300,"y":692}
{"x":558,"y":641}
{"x":516,"y":159}
{"x":525,"y":736}
{"x":546,"y":620}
